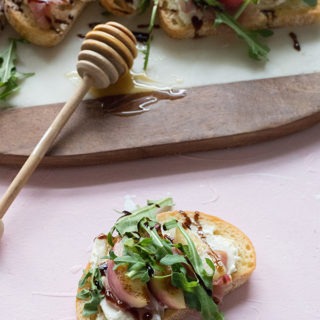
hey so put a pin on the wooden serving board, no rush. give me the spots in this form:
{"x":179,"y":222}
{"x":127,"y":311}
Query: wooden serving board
{"x":209,"y":117}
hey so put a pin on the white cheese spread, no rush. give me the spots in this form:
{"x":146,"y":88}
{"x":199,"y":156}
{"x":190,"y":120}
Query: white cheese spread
{"x":111,"y":312}
{"x":219,"y":243}
{"x":99,"y":250}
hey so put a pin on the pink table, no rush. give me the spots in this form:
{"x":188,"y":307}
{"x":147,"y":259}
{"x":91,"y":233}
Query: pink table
{"x":271,"y":191}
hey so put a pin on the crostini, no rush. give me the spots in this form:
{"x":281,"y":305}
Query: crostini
{"x":171,"y":265}
{"x":250,"y":20}
{"x":44,"y":23}
{"x":192,"y":18}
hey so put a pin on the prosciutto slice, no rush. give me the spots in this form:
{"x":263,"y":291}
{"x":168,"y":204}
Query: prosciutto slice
{"x":45,"y":13}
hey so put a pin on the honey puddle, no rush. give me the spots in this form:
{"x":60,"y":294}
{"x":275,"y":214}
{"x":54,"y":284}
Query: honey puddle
{"x":133,"y":94}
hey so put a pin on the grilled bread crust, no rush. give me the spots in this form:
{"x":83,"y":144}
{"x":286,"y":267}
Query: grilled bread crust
{"x":245,"y":265}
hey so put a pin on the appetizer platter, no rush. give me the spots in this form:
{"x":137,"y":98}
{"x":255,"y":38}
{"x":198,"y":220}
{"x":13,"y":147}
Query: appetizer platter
{"x":177,"y":93}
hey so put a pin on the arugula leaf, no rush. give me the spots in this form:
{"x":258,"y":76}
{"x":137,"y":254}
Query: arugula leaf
{"x":201,"y":301}
{"x":93,"y":295}
{"x":196,"y":296}
{"x":162,"y":246}
{"x":84,"y":294}
{"x":191,"y":251}
{"x":110,"y":239}
{"x":170,"y":259}
{"x":257,"y":50}
{"x":129,"y":223}
{"x":91,"y":306}
{"x":84,"y":279}
{"x":142,"y":256}
{"x":150,"y":31}
{"x":179,"y":280}
{"x":9,"y":76}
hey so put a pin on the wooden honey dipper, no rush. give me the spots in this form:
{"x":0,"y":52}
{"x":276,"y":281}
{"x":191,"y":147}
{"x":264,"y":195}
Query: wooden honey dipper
{"x":106,"y":54}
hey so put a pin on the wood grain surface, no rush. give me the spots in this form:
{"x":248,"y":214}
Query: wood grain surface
{"x":207,"y":118}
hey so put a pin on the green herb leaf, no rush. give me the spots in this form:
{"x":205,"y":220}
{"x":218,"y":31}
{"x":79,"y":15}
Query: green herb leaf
{"x":110,"y":239}
{"x":196,"y":296}
{"x":9,"y":76}
{"x":195,"y":260}
{"x":201,"y":301}
{"x":111,"y":255}
{"x":84,"y":294}
{"x":170,"y":224}
{"x":150,"y":31}
{"x":84,"y":279}
{"x":179,"y":280}
{"x":91,"y":306}
{"x":92,"y":294}
{"x":257,"y":50}
{"x":129,"y":223}
{"x":171,"y":259}
{"x":163,"y":247}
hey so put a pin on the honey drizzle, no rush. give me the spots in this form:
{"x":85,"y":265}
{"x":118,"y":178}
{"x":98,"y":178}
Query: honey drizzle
{"x":132,"y":95}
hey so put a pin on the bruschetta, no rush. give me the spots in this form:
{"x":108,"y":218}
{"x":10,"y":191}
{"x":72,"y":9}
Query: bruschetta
{"x":171,"y":265}
{"x":44,"y":23}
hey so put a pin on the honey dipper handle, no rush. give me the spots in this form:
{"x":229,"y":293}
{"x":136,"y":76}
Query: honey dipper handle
{"x":42,"y":147}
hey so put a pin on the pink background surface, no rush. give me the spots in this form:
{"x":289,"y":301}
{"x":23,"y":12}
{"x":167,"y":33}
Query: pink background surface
{"x":271,"y":191}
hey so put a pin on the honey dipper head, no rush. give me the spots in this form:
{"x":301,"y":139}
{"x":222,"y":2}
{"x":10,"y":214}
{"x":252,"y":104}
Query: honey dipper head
{"x":106,"y":54}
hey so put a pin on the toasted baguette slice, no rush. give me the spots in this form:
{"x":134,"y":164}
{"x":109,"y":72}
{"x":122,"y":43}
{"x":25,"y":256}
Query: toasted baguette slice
{"x":22,"y":19}
{"x":203,"y":228}
{"x":181,"y":26}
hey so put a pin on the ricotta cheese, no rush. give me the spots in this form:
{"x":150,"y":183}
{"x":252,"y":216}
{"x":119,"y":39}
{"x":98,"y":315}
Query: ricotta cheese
{"x":218,"y":242}
{"x":99,"y":250}
{"x":111,"y":312}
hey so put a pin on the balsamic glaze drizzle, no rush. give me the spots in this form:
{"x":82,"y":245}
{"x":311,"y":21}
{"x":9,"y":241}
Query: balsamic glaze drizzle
{"x":296,"y":44}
